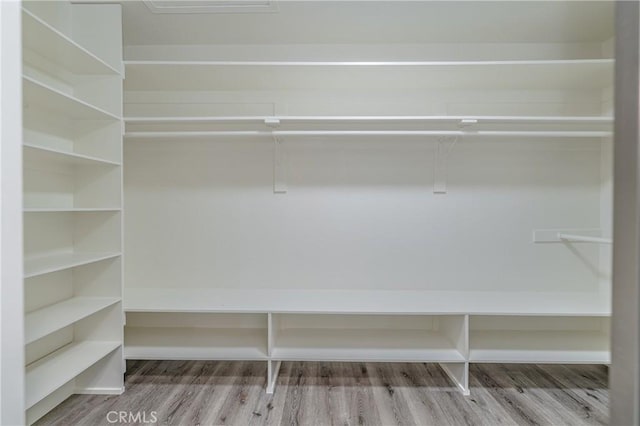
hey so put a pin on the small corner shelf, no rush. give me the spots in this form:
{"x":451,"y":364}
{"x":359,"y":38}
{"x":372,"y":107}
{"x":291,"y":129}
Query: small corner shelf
{"x":71,"y":210}
{"x":51,"y":372}
{"x":49,"y":319}
{"x":51,"y":44}
{"x":34,"y":152}
{"x":48,"y":98}
{"x":58,"y":262}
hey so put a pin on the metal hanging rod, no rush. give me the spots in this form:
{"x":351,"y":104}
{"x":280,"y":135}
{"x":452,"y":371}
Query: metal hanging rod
{"x":371,"y":118}
{"x":492,"y":133}
{"x":584,"y":239}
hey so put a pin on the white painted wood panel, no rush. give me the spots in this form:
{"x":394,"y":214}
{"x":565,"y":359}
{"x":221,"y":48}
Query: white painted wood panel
{"x":156,"y":299}
{"x":44,"y":321}
{"x":195,"y":343}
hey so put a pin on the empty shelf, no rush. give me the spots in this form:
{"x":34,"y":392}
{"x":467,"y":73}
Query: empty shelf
{"x":49,"y":373}
{"x":275,"y":75}
{"x":51,"y":44}
{"x":364,"y":345}
{"x":527,"y":346}
{"x":44,"y":321}
{"x":58,"y":262}
{"x":36,"y":153}
{"x":195,"y":343}
{"x":69,"y":210}
{"x":48,"y":98}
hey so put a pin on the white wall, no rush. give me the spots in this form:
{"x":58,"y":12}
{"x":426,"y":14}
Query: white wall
{"x":11,"y":297}
{"x":360,"y":215}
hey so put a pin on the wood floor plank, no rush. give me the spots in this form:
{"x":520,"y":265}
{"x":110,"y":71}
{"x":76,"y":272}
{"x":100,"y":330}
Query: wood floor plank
{"x":209,"y":393}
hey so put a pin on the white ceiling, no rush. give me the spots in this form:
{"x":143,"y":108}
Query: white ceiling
{"x":385,"y":22}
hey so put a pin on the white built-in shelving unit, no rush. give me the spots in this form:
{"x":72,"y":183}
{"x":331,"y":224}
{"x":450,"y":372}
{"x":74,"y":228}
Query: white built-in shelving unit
{"x":72,"y":172}
{"x":409,"y":191}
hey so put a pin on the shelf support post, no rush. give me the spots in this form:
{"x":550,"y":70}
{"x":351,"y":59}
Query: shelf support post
{"x":279,"y":166}
{"x":443,"y":150}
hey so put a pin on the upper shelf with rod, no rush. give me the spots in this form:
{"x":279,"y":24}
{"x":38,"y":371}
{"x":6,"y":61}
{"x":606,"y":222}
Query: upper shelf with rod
{"x":292,"y":75}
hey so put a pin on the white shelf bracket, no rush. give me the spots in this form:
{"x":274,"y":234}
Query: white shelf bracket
{"x":279,"y":166}
{"x":443,"y":150}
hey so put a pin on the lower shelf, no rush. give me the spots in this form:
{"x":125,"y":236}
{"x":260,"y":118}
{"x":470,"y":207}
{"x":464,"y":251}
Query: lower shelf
{"x":54,"y":317}
{"x":51,"y":372}
{"x":537,"y":346}
{"x":364,"y":345}
{"x":170,"y":343}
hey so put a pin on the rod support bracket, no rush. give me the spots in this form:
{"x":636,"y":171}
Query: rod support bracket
{"x":443,"y":150}
{"x":279,"y":166}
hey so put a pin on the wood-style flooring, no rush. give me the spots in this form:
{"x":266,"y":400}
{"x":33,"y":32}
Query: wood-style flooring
{"x":320,"y":393}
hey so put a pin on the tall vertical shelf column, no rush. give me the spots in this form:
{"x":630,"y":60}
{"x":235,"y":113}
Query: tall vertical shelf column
{"x":72,"y":171}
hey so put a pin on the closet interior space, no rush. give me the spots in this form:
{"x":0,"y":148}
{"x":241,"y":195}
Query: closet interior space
{"x":314,"y":181}
{"x":353,"y":181}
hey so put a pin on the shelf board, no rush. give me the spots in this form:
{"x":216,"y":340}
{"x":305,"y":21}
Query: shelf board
{"x":40,"y":37}
{"x":58,"y":262}
{"x":536,"y":346}
{"x":38,"y":153}
{"x":291,"y":75}
{"x":52,"y":99}
{"x":52,"y":318}
{"x":153,"y":135}
{"x":367,"y":302}
{"x":364,"y":345}
{"x":69,"y":210}
{"x":49,"y":373}
{"x":170,"y":343}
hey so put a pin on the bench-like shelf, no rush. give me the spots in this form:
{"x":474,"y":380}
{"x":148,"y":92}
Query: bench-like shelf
{"x":195,"y":343}
{"x":367,"y":302}
{"x":540,"y":346}
{"x":306,"y":344}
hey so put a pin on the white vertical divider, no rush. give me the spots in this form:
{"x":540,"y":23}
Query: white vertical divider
{"x":625,"y":327}
{"x":456,"y":329}
{"x":273,"y":366}
{"x":11,"y":288}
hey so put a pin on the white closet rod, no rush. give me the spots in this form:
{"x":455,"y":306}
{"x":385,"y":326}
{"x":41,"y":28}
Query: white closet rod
{"x":543,"y":134}
{"x":585,"y":239}
{"x":447,"y":118}
{"x":369,"y":63}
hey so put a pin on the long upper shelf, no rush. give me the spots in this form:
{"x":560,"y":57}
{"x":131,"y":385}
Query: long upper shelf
{"x":274,"y":75}
{"x":492,"y":126}
{"x":49,"y":43}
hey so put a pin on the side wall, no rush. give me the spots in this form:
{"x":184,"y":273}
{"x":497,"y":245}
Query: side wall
{"x":11,"y":297}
